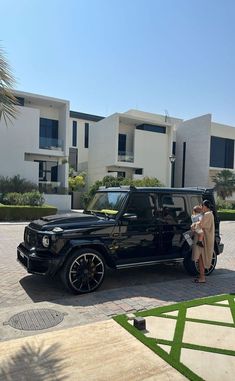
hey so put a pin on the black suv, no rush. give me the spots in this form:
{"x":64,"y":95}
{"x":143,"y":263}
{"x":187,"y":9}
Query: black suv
{"x":122,"y":227}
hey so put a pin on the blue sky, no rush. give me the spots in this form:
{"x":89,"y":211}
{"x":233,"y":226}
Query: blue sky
{"x":108,"y":56}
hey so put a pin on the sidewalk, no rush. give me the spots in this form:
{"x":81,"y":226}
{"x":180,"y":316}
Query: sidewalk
{"x":101,"y":351}
{"x":96,"y":347}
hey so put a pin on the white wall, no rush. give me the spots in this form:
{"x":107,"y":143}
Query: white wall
{"x":196,"y":133}
{"x":103,"y":147}
{"x":21,"y":137}
{"x":17,"y":138}
{"x":61,"y":201}
{"x":152,"y":152}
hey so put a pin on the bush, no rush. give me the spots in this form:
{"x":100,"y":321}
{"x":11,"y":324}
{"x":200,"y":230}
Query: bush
{"x":30,"y":198}
{"x":110,"y":181}
{"x":16,"y":184}
{"x":25,"y":213}
{"x":223,"y":204}
{"x":226,"y":215}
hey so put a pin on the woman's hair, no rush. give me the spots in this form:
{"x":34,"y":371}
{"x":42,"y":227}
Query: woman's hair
{"x":207,"y":204}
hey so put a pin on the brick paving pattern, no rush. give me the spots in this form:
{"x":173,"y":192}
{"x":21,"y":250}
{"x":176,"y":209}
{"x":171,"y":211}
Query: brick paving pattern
{"x":125,"y":291}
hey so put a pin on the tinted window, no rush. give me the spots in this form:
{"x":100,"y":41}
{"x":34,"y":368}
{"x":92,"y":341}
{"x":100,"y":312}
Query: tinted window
{"x":86,"y":139}
{"x":48,"y":135}
{"x":152,"y":128}
{"x":74,"y":139}
{"x":222,"y":152}
{"x":174,"y":209}
{"x":142,"y":204}
{"x":121,"y":143}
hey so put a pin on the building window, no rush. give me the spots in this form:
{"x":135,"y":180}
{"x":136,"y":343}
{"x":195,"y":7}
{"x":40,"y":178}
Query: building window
{"x":74,"y":138}
{"x":73,"y":158}
{"x":152,"y":128}
{"x":222,"y":152}
{"x":48,"y":133}
{"x":121,"y":174}
{"x":86,"y":140}
{"x":121,"y":144}
{"x":139,"y":171}
{"x":48,"y":171}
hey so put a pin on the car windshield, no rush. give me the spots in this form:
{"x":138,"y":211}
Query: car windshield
{"x":108,"y":203}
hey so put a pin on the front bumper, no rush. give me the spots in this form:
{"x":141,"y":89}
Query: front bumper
{"x":36,"y":264}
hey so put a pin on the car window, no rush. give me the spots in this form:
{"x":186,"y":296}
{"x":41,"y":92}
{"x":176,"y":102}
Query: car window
{"x":174,"y":209}
{"x":195,"y":200}
{"x":142,"y":204}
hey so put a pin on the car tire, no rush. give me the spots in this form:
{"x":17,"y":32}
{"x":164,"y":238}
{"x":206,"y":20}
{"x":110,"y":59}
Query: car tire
{"x":192,"y":267}
{"x":84,"y":271}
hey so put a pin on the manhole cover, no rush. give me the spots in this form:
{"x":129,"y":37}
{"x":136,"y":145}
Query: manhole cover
{"x":34,"y":320}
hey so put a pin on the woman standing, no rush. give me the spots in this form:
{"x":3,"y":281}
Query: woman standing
{"x":204,"y":254}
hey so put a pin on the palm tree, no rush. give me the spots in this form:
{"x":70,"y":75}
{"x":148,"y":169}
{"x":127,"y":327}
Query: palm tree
{"x":7,"y":98}
{"x":224,"y":183}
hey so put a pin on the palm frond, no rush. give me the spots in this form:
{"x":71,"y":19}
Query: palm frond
{"x":8,"y":101}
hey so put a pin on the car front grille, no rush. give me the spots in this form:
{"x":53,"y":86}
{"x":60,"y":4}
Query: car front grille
{"x":30,"y":237}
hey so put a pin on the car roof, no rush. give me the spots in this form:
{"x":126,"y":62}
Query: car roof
{"x":191,"y":190}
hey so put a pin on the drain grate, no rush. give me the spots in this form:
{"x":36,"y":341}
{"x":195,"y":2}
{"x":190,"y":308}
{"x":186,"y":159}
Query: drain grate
{"x":34,"y":320}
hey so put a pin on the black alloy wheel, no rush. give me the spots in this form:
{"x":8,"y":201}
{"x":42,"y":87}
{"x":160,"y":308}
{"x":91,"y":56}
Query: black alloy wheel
{"x":84,"y":271}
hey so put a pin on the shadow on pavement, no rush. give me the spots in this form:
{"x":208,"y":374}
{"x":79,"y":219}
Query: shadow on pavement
{"x":33,"y":363}
{"x":152,"y":282}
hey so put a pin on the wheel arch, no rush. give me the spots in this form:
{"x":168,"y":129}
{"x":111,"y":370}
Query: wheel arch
{"x":95,"y":246}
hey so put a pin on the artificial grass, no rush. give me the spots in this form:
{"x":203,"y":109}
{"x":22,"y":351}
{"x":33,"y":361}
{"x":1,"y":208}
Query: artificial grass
{"x":173,"y":358}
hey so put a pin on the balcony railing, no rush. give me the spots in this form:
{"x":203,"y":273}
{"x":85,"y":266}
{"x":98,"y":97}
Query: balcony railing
{"x":50,"y":143}
{"x":126,"y":156}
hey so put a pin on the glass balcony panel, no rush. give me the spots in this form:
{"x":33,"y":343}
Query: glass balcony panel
{"x":50,"y":143}
{"x":126,"y":156}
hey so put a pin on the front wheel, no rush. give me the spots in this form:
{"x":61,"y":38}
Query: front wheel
{"x":84,"y":271}
{"x":192,"y":267}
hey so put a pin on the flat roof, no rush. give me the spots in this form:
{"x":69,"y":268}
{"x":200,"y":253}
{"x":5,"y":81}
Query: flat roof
{"x":82,"y":115}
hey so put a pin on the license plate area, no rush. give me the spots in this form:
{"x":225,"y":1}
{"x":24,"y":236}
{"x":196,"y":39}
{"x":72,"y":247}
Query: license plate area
{"x":22,"y":258}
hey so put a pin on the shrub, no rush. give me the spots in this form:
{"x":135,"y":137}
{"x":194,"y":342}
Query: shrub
{"x":29,"y":198}
{"x":16,"y":184}
{"x":25,"y":213}
{"x":78,"y":182}
{"x":223,"y":204}
{"x":226,"y":215}
{"x":110,"y":181}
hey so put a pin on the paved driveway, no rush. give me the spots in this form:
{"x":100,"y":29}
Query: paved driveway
{"x":18,"y":287}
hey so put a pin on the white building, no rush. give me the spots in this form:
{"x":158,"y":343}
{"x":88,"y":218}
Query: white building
{"x":35,"y":145}
{"x":133,"y":144}
{"x":46,"y":137}
{"x":203,"y":148}
{"x":78,"y":138}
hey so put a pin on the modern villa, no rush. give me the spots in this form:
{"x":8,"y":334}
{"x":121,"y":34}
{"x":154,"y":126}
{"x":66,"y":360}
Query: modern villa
{"x":46,"y":137}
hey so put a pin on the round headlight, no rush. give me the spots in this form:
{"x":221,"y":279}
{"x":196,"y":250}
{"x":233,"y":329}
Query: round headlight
{"x":45,"y":241}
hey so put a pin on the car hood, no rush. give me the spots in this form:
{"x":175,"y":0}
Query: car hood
{"x":67,"y":221}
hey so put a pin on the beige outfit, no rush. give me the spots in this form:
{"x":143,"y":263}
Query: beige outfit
{"x":206,"y":252}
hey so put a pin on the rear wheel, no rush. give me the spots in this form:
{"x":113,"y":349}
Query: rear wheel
{"x":192,"y":267}
{"x":84,"y":271}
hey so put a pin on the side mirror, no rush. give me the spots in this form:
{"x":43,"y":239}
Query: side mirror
{"x":129,"y":216}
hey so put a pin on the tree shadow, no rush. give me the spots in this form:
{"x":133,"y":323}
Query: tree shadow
{"x":33,"y":363}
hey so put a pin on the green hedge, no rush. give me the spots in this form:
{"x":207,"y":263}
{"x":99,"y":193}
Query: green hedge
{"x":25,"y":213}
{"x":226,"y":214}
